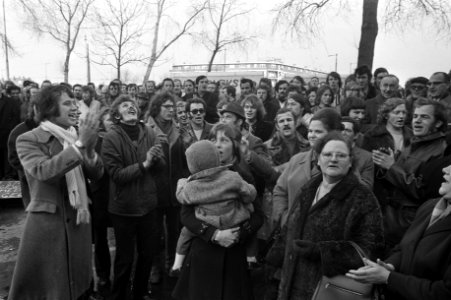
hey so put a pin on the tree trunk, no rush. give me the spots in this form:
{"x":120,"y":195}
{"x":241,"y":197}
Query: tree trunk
{"x":368,"y":33}
{"x":213,"y":55}
{"x":66,"y":67}
{"x":153,"y":55}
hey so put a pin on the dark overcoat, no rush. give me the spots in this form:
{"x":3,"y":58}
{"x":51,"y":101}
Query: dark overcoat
{"x":422,"y":260}
{"x":54,"y":259}
{"x":349,"y":212}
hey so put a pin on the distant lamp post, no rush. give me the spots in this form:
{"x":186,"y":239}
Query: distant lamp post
{"x":336,"y":60}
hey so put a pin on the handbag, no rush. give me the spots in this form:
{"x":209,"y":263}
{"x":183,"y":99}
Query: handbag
{"x":341,"y":287}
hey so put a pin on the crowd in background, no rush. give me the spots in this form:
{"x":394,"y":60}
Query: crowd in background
{"x":321,"y":164}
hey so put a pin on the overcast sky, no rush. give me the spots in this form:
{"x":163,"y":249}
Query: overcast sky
{"x":406,"y":54}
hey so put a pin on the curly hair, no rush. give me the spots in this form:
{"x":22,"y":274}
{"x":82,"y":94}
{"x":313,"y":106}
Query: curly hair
{"x":47,"y":101}
{"x":155,"y":103}
{"x":386,"y":107}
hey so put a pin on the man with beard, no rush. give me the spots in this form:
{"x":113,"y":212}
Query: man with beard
{"x":389,"y":87}
{"x":281,"y":91}
{"x":198,"y":129}
{"x":211,"y":99}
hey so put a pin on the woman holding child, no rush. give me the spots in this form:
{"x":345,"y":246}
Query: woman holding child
{"x":215,"y":266}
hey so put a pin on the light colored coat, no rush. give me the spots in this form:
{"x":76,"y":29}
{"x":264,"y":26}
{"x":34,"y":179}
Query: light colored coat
{"x":54,"y":260}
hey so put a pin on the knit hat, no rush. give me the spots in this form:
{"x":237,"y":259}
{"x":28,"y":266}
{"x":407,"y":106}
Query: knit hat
{"x":202,"y":155}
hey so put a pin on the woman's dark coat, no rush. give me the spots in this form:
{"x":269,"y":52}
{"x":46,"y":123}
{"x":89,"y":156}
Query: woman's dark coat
{"x":350,"y":212}
{"x":422,"y":260}
{"x":212,"y":272}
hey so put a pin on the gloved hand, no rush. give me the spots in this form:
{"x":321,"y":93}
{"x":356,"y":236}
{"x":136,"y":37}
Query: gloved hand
{"x":307,"y":249}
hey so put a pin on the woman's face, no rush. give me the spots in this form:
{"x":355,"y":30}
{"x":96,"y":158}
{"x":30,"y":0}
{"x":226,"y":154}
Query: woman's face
{"x":326,"y":98}
{"x":316,"y":130}
{"x":68,"y":112}
{"x":128,"y":112}
{"x":167,"y":110}
{"x":445,"y":188}
{"x":334,"y":161}
{"x":113,"y":89}
{"x":225,"y":147}
{"x":250,"y":111}
{"x":262,"y":94}
{"x":131,"y":90}
{"x":397,"y":117}
{"x":295,"y":107}
{"x":312,"y":98}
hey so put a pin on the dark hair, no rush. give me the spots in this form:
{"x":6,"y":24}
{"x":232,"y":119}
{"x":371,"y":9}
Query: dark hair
{"x":88,"y":89}
{"x":189,"y":80}
{"x":380,"y":70}
{"x":132,"y":85}
{"x":330,"y":118}
{"x":303,"y":102}
{"x":76,"y":85}
{"x":386,"y":107}
{"x":114,"y":112}
{"x":194,"y":100}
{"x":334,"y":75}
{"x":11,"y":88}
{"x":439,"y":111}
{"x":279,"y":83}
{"x":293,"y":88}
{"x":355,"y":124}
{"x":362,"y":70}
{"x":167,"y":79}
{"x":231,"y":90}
{"x":47,"y":101}
{"x":199,"y":78}
{"x":351,"y":103}
{"x":232,"y":133}
{"x":300,"y":79}
{"x":283,"y":110}
{"x":332,"y":136}
{"x":266,"y":81}
{"x":157,"y":100}
{"x":255,"y":101}
{"x":116,"y":85}
{"x":321,"y":91}
{"x":247,"y":80}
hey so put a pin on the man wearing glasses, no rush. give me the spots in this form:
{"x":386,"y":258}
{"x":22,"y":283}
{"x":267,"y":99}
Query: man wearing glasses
{"x":438,"y":90}
{"x":198,"y":128}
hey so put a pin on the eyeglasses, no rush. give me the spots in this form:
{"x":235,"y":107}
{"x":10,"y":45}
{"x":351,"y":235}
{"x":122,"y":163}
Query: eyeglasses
{"x":338,"y":155}
{"x":197,"y":111}
{"x":168,"y":106}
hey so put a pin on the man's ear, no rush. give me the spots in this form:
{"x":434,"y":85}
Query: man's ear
{"x":438,"y":124}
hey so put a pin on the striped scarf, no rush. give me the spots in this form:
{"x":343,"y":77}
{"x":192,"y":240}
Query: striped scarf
{"x":75,"y":180}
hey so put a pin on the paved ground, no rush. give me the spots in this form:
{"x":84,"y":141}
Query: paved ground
{"x":12,"y":220}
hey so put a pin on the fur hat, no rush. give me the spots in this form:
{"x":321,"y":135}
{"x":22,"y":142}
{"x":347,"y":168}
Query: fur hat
{"x":202,"y":155}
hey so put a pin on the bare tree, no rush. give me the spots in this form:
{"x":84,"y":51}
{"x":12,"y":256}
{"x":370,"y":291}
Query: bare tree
{"x":302,"y":18}
{"x":120,"y":28}
{"x":60,"y":19}
{"x":221,"y":15}
{"x":186,"y":25}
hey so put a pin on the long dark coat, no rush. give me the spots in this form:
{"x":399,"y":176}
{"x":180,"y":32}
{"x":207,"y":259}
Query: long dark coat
{"x":350,"y":212}
{"x":54,"y":260}
{"x":423,"y":260}
{"x":212,"y":272}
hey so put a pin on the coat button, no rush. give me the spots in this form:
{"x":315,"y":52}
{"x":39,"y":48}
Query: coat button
{"x":67,"y":220}
{"x":291,"y":257}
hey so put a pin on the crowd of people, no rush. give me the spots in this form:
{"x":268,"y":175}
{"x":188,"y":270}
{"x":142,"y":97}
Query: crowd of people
{"x":208,"y":182}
